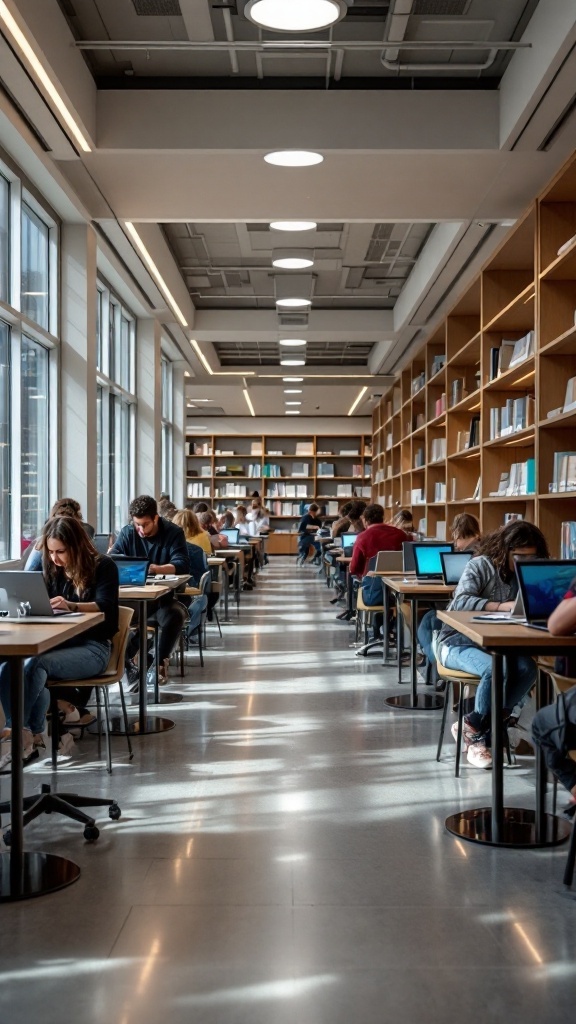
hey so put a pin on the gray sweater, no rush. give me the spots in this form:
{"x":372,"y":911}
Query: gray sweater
{"x":479,"y":584}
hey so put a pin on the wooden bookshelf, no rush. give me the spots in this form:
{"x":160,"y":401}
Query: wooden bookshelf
{"x":524,"y":296}
{"x":221,"y":463}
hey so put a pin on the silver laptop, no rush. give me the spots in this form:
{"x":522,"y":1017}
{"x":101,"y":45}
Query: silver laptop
{"x":389,"y":561}
{"x":24,"y":598}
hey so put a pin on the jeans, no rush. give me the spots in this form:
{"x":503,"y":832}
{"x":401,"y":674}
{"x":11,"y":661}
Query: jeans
{"x":62,"y":663}
{"x":305,"y":542}
{"x":519,"y":674}
{"x":373,"y":593}
{"x":428,"y":625}
{"x":170,"y":618}
{"x":554,"y":731}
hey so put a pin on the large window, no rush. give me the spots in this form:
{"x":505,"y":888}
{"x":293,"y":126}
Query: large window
{"x":4,"y":238}
{"x":5,"y":452}
{"x":34,"y":477}
{"x":167,"y":427}
{"x":116,"y":410}
{"x":35,"y":267}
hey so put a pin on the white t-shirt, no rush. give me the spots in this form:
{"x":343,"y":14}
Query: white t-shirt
{"x":257,"y":524}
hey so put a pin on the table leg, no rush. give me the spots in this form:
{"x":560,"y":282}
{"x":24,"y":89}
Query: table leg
{"x":226,"y":593}
{"x":414,"y":701}
{"x":145,"y":723}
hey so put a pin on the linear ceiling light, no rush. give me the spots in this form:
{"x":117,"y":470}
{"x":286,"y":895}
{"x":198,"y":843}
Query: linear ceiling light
{"x":292,"y":380}
{"x":42,"y":76}
{"x":293,"y":259}
{"x":292,"y":391}
{"x":293,"y":225}
{"x":295,"y":15}
{"x":292,"y":403}
{"x":292,"y":412}
{"x":292,"y":342}
{"x":293,"y":158}
{"x":292,"y":362}
{"x":248,"y":402}
{"x":358,"y":399}
{"x":201,"y":356}
{"x":155,"y":273}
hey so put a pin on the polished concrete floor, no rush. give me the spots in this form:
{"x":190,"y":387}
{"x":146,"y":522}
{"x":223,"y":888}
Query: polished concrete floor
{"x":282,"y":858}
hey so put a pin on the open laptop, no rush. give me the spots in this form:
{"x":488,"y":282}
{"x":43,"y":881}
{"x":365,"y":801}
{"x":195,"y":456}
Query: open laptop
{"x":389,"y":561}
{"x":543,"y":584}
{"x":233,"y":536}
{"x":408,"y":565}
{"x":453,"y":565}
{"x":427,"y":563}
{"x":132,"y":571}
{"x":26,"y":592}
{"x":348,"y":542}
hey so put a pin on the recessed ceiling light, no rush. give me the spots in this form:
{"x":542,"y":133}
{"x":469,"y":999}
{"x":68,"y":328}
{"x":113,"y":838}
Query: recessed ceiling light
{"x":292,"y":412}
{"x":293,"y":225}
{"x":295,"y":15}
{"x":294,"y":302}
{"x":201,"y":399}
{"x":293,"y":403}
{"x":293,"y":158}
{"x":292,"y":391}
{"x":292,"y":342}
{"x":292,"y":362}
{"x":293,"y":259}
{"x":292,"y":380}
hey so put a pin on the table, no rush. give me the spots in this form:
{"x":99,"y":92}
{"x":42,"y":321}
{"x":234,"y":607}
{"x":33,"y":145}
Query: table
{"x":345,"y":561}
{"x":219,"y":562}
{"x":413,"y":592}
{"x":23,"y":875}
{"x":498,"y":825}
{"x":234,"y":555}
{"x":386,"y":637}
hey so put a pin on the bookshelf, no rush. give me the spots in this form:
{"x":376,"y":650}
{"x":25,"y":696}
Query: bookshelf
{"x":288,"y":471}
{"x":496,"y":381}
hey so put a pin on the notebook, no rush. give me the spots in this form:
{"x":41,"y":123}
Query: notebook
{"x":132,"y":571}
{"x":26,"y":592}
{"x":427,"y":563}
{"x":453,"y":565}
{"x":543,"y":584}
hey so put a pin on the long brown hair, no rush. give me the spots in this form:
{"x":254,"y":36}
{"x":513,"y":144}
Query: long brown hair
{"x":465,"y":526}
{"x":188,"y":520}
{"x":519,"y":534}
{"x":82,"y":555}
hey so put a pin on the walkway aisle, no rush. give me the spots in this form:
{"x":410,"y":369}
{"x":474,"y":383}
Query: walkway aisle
{"x":282,"y":859}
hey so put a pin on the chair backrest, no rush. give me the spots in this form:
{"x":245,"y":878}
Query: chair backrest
{"x":560,"y":683}
{"x":205,"y":583}
{"x":102,"y":542}
{"x":120,"y":642}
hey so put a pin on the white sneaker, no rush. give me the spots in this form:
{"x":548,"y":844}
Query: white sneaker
{"x":479,"y":756}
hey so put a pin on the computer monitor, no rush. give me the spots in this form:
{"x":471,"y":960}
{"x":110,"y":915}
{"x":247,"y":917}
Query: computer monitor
{"x":427,"y":562}
{"x":25,"y":594}
{"x":453,"y":565}
{"x":543,"y":584}
{"x":233,"y":536}
{"x":132,"y":571}
{"x":408,"y":553}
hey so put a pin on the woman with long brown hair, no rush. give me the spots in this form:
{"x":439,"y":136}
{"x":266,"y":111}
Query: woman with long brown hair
{"x":78,"y":579}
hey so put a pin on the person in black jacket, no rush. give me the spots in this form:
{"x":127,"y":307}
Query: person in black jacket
{"x":306,"y":540}
{"x":164,"y":545}
{"x":78,"y":578}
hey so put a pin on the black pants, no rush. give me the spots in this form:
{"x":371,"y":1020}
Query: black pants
{"x":170,"y":618}
{"x":554,"y":731}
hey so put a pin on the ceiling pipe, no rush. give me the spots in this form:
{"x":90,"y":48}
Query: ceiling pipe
{"x":396,"y":26}
{"x":230,"y":37}
{"x":218,"y":46}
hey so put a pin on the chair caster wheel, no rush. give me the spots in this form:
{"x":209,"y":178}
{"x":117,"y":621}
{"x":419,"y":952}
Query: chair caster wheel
{"x":114,"y":812}
{"x":91,"y":833}
{"x":7,"y":837}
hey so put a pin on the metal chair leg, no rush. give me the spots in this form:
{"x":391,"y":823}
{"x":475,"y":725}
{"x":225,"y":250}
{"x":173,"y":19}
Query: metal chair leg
{"x":571,"y":860}
{"x":217,"y":621}
{"x":200,"y":647}
{"x":460,"y":728}
{"x":125,"y":717}
{"x":99,"y":721}
{"x":444,"y":717}
{"x":108,"y":742}
{"x":55,"y":729}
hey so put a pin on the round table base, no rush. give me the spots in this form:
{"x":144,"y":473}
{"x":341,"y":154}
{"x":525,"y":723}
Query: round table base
{"x":519,"y":828}
{"x":166,"y":698}
{"x":152,"y":723}
{"x":424,"y":702}
{"x":41,"y":873}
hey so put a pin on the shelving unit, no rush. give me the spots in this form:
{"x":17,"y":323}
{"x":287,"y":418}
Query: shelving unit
{"x":286,"y":471}
{"x":525,"y":287}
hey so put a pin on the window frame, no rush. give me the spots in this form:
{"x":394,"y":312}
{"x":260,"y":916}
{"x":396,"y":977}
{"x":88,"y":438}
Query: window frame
{"x":167,"y":424}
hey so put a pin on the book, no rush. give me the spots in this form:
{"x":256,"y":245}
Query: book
{"x":494,"y":358}
{"x":570,"y":398}
{"x":300,"y":469}
{"x":566,"y":245}
{"x":568,"y":540}
{"x":441,"y":529}
{"x":325,"y":469}
{"x":439,"y":491}
{"x":304,"y":448}
{"x":438,"y":363}
{"x":523,"y":349}
{"x":476,"y":494}
{"x":256,"y":448}
{"x":474,"y":437}
{"x":505,"y":355}
{"x":560,"y":471}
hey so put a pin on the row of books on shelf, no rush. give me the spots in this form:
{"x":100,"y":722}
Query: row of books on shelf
{"x":286,"y":508}
{"x":438,"y":363}
{"x":196,"y":490}
{"x":237,"y":469}
{"x":469,"y":438}
{"x":438,"y":449}
{"x":282,"y":490}
{"x":195,"y":448}
{"x":297,"y":469}
{"x":419,"y":458}
{"x":458,"y":391}
{"x":563,"y":473}
{"x":517,"y":414}
{"x":203,"y":471}
{"x":568,"y":540}
{"x":440,"y":405}
{"x":519,"y":479}
{"x":232,"y":490}
{"x":510,"y":353}
{"x":418,"y":382}
{"x":569,"y":400}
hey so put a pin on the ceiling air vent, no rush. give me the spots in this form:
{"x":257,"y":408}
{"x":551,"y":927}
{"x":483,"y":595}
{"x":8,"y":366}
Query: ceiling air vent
{"x":441,"y":8}
{"x":157,"y":8}
{"x":293,"y":319}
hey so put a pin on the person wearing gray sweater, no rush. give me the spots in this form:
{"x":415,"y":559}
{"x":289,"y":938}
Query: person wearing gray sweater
{"x":489,"y":583}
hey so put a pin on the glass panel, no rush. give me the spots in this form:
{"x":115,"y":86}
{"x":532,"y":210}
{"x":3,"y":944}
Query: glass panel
{"x":99,"y":353}
{"x":166,"y":390}
{"x":35,"y":267}
{"x":123,"y":376}
{"x":4,"y":442}
{"x":35,"y":441}
{"x":102,"y":518}
{"x":166,"y":459}
{"x":4,"y":239}
{"x":120,"y":461}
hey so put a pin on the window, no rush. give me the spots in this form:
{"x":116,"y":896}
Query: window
{"x":167,"y":428}
{"x":35,"y":280}
{"x":5,"y":450}
{"x":116,"y":410}
{"x":34,"y":421}
{"x":4,"y":239}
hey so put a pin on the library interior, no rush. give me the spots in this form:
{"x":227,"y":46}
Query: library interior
{"x":288,"y":511}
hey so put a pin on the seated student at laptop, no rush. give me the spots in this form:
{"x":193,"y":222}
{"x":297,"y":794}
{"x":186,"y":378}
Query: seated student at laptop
{"x":62,"y":507}
{"x":554,"y":727}
{"x":164,"y":545}
{"x":377,"y":536}
{"x":403,"y":520}
{"x":240,"y":521}
{"x":465,"y":532}
{"x":309,"y":523}
{"x":350,"y":522}
{"x":488,"y":583}
{"x":78,"y":579}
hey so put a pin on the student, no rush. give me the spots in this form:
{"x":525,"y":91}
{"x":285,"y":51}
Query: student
{"x":259,"y":518}
{"x":166,"y":508}
{"x":207,"y":522}
{"x":240,"y":521}
{"x":488,"y":583}
{"x":196,"y":551}
{"x":78,"y":578}
{"x":305,"y":536}
{"x":554,"y":727}
{"x":403,"y":520}
{"x":341,"y":525}
{"x":63,"y":507}
{"x":226,"y":521}
{"x":377,"y":536}
{"x":164,"y":545}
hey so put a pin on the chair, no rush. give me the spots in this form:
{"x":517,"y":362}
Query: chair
{"x":561,"y":684}
{"x":465,"y":682}
{"x":364,"y":613}
{"x":103,"y":542}
{"x":69,"y":804}
{"x":197,"y":615}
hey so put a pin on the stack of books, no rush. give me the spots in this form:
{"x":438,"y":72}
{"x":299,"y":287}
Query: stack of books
{"x":564,"y":472}
{"x":438,"y":449}
{"x":521,"y":479}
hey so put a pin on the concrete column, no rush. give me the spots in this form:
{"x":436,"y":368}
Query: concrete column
{"x":179,"y":434}
{"x":78,"y":368}
{"x":149,"y":410}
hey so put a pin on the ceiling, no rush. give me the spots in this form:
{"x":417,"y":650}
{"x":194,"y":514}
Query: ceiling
{"x":204,"y":39}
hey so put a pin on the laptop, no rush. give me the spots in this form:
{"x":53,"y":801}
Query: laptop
{"x":427,"y":563}
{"x":389,"y":561}
{"x":26,"y":592}
{"x":453,"y":565}
{"x":233,"y":536}
{"x":132,"y":571}
{"x":408,"y":565}
{"x":543,"y":583}
{"x":348,"y":542}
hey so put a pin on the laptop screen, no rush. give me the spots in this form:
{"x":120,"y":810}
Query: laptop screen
{"x":232,"y":535}
{"x":132,"y":572}
{"x":453,"y":565}
{"x":544,"y":584}
{"x":349,"y":540}
{"x":427,"y":559}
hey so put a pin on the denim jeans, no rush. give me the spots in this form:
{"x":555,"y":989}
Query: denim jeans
{"x":62,"y":663}
{"x":519,"y":674}
{"x":428,"y":625}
